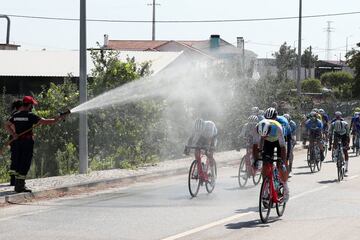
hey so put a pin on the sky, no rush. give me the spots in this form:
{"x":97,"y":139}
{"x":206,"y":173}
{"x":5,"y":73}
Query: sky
{"x":262,"y":37}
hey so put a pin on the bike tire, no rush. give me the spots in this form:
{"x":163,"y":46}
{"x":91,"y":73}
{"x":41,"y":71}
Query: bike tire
{"x":194,"y":179}
{"x":340,"y":168}
{"x":212,"y":174}
{"x":312,"y":162}
{"x":242,"y":174}
{"x":257,"y":177}
{"x":308,"y":157}
{"x":318,"y":162}
{"x":265,"y":200}
{"x":280,"y":206}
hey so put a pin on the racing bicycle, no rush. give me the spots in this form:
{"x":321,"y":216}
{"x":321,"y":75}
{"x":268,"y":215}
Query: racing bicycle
{"x":202,"y":171}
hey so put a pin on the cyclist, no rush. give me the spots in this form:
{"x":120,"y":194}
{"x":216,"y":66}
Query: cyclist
{"x":340,"y":130}
{"x":271,"y":113}
{"x":325,"y":121}
{"x":355,"y":125}
{"x":248,"y":130}
{"x":314,"y":129}
{"x":270,"y":136}
{"x":256,"y":111}
{"x":292,"y":138}
{"x":203,"y":136}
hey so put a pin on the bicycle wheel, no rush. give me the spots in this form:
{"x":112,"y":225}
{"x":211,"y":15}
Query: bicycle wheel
{"x":312,"y":161}
{"x":308,"y":157}
{"x":280,"y":206}
{"x":318,"y":159}
{"x":257,"y":177}
{"x":265,"y":201}
{"x":325,"y":150}
{"x":212,"y":173}
{"x":242,"y":175}
{"x":340,"y":167}
{"x":194,"y":179}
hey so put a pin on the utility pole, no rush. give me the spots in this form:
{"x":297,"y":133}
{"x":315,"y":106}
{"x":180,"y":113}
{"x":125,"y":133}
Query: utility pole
{"x":154,"y":4}
{"x":83,"y":137}
{"x":299,"y":51}
{"x":328,"y":40}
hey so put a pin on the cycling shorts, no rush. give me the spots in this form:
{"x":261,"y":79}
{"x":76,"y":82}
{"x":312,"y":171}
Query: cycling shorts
{"x":269,"y":149}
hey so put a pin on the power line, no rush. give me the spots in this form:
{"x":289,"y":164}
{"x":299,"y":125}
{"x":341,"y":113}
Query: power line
{"x":184,"y":21}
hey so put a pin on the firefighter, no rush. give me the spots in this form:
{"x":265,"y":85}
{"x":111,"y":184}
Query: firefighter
{"x":20,"y":126}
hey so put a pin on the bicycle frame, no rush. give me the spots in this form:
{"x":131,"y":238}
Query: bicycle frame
{"x":199,"y":155}
{"x":268,"y":170}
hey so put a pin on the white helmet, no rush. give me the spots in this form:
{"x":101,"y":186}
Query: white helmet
{"x":338,"y":114}
{"x":253,"y":118}
{"x":270,"y":113}
{"x":287,"y":116}
{"x":322,"y":111}
{"x":263,"y":128}
{"x":199,"y":125}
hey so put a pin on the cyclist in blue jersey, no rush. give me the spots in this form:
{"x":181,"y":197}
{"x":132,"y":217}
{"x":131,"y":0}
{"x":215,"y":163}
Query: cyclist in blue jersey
{"x":272,"y":114}
{"x":314,"y":128}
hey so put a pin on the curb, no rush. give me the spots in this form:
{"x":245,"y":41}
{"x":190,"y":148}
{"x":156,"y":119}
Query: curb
{"x":106,"y":183}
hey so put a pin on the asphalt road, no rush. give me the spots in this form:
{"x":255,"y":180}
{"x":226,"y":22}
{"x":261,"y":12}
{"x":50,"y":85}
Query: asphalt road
{"x":319,"y":208}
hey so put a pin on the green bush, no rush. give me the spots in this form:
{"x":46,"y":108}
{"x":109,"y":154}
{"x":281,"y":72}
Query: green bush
{"x":311,"y":85}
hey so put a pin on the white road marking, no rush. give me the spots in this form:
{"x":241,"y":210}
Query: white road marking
{"x":231,"y":218}
{"x":207,"y":226}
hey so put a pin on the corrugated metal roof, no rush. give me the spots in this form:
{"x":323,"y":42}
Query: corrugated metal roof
{"x":63,"y":63}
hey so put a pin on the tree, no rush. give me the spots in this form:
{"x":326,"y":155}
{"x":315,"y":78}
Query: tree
{"x":353,"y":59}
{"x":308,"y":60}
{"x":285,"y":59}
{"x":340,"y":82}
{"x":311,"y":85}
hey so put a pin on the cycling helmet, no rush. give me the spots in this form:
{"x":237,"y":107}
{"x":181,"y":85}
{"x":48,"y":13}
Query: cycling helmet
{"x":321,"y":111}
{"x":253,"y":118}
{"x":357,"y":109}
{"x":199,"y":125}
{"x":270,"y":113}
{"x":315,"y":110}
{"x":287,"y":116}
{"x":263,"y":128}
{"x":313,"y":114}
{"x":254,"y":110}
{"x":338,"y":114}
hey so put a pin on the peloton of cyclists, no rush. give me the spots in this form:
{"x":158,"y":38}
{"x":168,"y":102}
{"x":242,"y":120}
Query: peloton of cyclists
{"x":339,"y":130}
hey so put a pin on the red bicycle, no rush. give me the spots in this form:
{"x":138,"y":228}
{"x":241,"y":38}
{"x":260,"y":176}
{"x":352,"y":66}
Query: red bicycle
{"x":202,"y":170}
{"x":247,"y":169}
{"x":271,"y":192}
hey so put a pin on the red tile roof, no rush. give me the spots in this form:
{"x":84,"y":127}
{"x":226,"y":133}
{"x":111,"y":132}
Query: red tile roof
{"x":135,"y":45}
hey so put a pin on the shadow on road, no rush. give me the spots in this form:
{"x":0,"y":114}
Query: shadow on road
{"x":302,"y":167}
{"x":6,"y":193}
{"x":328,"y":181}
{"x":245,"y":210}
{"x":251,"y":224}
{"x":303,"y":173}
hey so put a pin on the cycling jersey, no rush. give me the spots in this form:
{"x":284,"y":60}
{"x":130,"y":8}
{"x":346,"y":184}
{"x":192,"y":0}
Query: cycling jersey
{"x":339,"y":127}
{"x":285,"y":125}
{"x":314,"y":125}
{"x":292,"y":127}
{"x":276,"y":134}
{"x":207,"y":134}
{"x":355,"y":123}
